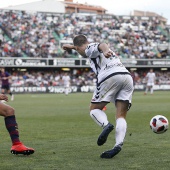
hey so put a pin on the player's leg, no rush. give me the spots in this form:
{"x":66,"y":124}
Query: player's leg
{"x":102,"y":95}
{"x":146,"y":90}
{"x":122,"y":103}
{"x":11,"y":125}
{"x":10,"y":93}
{"x":120,"y":131}
{"x":66,"y":91}
{"x":121,"y":125}
{"x":99,"y":116}
{"x":151,"y":89}
{"x":12,"y":96}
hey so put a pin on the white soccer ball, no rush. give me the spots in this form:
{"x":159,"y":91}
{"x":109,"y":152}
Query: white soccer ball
{"x":159,"y":124}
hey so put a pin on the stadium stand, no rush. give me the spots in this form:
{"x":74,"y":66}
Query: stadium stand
{"x":40,"y":35}
{"x":78,"y":78}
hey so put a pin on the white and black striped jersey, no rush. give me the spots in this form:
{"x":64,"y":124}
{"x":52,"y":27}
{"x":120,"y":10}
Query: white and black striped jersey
{"x":102,"y":66}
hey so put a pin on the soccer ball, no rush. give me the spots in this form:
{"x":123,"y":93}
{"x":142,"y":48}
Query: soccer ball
{"x":159,"y":124}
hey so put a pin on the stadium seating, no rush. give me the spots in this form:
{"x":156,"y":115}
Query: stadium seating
{"x":39,"y":35}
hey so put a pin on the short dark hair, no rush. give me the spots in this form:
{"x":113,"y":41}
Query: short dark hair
{"x":79,"y":40}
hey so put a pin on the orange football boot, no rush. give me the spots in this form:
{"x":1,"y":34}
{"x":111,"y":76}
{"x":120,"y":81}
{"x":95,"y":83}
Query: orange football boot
{"x":21,"y":149}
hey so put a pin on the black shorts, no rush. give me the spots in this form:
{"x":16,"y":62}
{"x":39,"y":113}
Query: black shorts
{"x":6,"y":87}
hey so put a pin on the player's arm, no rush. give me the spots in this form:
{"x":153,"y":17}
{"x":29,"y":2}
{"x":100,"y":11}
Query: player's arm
{"x":9,"y":77}
{"x":105,"y":49}
{"x":5,"y":78}
{"x":68,"y":47}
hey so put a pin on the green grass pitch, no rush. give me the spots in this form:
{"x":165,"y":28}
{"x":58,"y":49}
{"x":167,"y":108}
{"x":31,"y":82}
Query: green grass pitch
{"x":64,"y":136}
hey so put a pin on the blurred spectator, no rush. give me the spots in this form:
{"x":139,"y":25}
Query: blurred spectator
{"x":40,"y":35}
{"x":80,"y":78}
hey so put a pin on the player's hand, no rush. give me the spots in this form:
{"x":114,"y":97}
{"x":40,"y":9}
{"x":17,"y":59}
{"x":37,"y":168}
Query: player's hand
{"x":68,"y":47}
{"x":3,"y":97}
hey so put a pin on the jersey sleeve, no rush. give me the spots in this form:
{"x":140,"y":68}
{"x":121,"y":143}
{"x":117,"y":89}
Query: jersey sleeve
{"x":92,"y":50}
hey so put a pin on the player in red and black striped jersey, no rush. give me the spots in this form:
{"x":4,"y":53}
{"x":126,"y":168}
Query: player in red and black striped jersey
{"x":5,"y":84}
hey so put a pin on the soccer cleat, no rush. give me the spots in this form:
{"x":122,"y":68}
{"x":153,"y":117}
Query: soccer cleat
{"x":21,"y":149}
{"x":103,"y":136}
{"x":111,"y":153}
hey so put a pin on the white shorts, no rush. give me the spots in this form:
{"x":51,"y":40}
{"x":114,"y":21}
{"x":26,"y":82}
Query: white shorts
{"x":117,"y":87}
{"x":150,"y":84}
{"x":66,"y":85}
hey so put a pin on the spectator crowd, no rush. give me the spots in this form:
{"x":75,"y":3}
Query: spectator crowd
{"x":40,"y":35}
{"x":78,"y":78}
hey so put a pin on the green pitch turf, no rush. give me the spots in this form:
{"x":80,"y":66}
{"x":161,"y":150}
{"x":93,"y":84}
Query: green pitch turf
{"x":64,"y":136}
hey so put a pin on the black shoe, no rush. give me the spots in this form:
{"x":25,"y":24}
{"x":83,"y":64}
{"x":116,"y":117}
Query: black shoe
{"x":111,"y":153}
{"x":103,"y":136}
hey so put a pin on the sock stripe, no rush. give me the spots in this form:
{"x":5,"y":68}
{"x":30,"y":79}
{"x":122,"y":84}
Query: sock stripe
{"x":13,"y":132}
{"x":10,"y":125}
{"x":98,"y":120}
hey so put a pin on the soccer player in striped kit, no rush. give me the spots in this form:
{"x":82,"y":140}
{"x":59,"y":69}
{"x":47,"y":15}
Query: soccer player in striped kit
{"x":5,"y":84}
{"x":114,"y":84}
